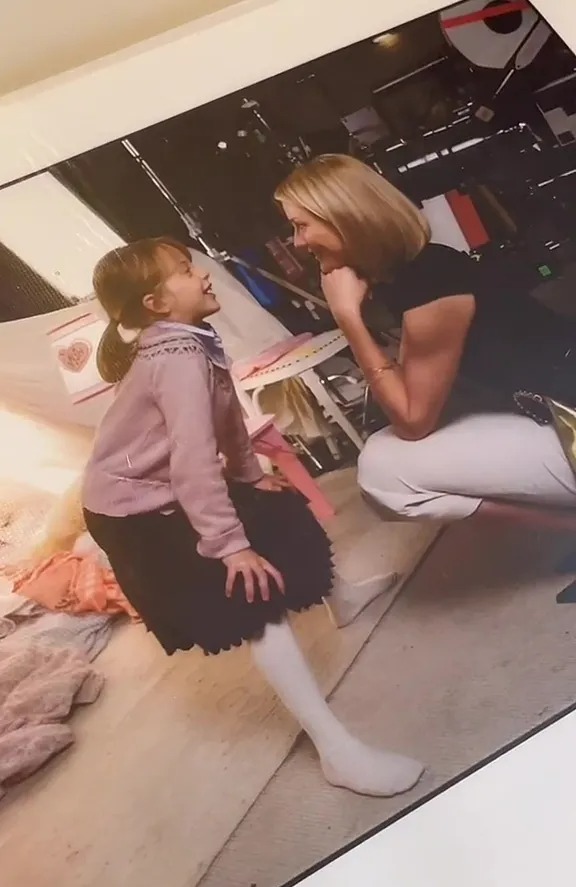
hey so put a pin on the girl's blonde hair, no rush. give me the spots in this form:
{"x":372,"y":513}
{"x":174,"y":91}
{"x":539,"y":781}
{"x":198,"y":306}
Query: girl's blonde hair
{"x":380,"y":227}
{"x":121,"y":279}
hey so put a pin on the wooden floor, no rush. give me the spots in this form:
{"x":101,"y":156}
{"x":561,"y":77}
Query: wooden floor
{"x":172,"y":756}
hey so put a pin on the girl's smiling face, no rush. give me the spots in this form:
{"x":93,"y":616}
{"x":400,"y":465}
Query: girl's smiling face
{"x":185,"y":294}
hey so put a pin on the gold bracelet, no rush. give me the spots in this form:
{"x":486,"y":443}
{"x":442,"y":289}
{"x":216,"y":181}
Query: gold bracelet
{"x":374,"y":372}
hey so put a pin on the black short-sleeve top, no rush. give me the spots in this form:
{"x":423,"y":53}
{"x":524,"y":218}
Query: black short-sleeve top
{"x":514,"y":342}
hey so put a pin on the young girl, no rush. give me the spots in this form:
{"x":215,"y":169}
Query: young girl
{"x":209,"y":553}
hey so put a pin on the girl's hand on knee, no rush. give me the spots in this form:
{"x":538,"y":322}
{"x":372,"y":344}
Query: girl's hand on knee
{"x":256,"y":573}
{"x":271,"y":483}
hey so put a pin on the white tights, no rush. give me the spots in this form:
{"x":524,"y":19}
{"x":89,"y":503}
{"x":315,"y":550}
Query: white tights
{"x":346,"y":762}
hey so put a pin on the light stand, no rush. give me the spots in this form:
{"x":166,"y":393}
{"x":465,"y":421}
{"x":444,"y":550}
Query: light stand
{"x":196,"y":232}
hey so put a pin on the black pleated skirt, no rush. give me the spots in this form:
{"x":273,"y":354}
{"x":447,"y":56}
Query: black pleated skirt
{"x":180,"y":595}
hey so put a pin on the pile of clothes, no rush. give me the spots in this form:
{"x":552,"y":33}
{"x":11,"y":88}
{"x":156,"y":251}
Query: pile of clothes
{"x":56,"y":617}
{"x":42,"y":677}
{"x":74,"y":582}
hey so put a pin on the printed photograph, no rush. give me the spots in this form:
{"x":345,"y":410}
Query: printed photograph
{"x":288,"y":495}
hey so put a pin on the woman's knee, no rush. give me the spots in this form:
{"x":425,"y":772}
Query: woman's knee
{"x":404,"y":478}
{"x":383,"y":474}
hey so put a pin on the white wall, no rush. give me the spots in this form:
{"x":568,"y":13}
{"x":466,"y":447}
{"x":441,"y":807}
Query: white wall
{"x":40,"y":39}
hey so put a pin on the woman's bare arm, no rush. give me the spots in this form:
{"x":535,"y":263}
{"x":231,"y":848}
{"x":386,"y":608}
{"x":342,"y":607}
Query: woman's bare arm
{"x":414,"y":391}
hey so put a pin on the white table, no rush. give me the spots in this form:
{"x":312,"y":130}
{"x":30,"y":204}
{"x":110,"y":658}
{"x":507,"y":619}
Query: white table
{"x":301,"y":362}
{"x":509,"y":824}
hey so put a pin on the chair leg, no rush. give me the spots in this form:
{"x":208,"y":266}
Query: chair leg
{"x":308,"y":452}
{"x":331,"y":408}
{"x":271,"y":443}
{"x":293,"y":470}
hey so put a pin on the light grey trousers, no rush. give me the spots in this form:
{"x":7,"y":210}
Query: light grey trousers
{"x":447,"y":475}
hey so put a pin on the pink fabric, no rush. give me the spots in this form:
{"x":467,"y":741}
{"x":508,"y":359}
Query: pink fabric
{"x":39,"y":685}
{"x":244,"y":368}
{"x":74,"y":584}
{"x":269,"y":442}
{"x":161,"y":442}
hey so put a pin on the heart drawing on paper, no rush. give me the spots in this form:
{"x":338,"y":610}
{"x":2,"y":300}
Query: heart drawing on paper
{"x":75,"y":356}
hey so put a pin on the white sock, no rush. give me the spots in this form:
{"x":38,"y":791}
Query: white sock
{"x":348,"y":599}
{"x":346,"y":762}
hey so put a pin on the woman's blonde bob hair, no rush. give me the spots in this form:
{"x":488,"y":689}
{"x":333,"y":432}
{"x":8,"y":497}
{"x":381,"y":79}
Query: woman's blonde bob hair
{"x":380,"y":227}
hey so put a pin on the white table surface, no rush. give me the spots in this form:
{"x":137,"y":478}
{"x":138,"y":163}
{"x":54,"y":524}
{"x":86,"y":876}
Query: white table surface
{"x":512,"y":823}
{"x":254,"y":424}
{"x":302,"y":359}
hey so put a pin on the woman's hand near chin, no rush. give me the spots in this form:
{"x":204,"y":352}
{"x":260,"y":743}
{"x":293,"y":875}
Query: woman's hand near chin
{"x":345,"y":292}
